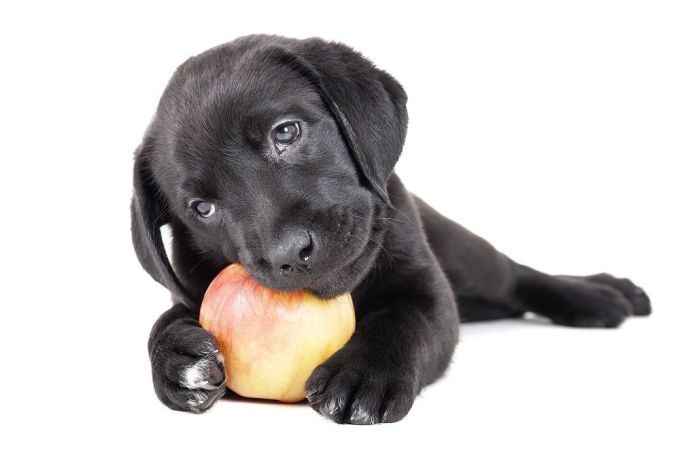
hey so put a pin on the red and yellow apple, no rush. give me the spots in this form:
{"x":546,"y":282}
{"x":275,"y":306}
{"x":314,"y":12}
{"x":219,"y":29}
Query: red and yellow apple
{"x":272,"y":341}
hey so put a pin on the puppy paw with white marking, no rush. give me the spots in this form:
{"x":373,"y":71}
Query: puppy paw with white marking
{"x":188,"y":369}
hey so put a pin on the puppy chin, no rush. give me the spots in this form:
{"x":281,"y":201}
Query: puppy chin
{"x":323,"y":287}
{"x":345,"y":279}
{"x":279,"y":283}
{"x":327,"y":291}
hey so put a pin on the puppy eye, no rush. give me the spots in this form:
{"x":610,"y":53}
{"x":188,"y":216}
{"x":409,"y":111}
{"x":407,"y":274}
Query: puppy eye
{"x":204,"y":209}
{"x":285,"y":134}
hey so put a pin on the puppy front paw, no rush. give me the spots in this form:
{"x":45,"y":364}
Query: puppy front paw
{"x":188,"y":369}
{"x":362,"y":393}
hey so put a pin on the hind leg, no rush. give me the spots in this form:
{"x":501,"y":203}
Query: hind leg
{"x":594,"y":301}
{"x":490,"y":286}
{"x":475,"y":309}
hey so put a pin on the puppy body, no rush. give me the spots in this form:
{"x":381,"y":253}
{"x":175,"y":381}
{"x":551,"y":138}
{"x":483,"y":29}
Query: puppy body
{"x":323,"y":212}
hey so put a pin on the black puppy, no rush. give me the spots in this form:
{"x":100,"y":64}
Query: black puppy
{"x":278,"y":154}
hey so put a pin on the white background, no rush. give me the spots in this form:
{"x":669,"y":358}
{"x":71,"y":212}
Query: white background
{"x":555,"y":128}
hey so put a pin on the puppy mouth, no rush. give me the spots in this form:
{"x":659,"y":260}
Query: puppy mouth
{"x":321,"y":282}
{"x":297,"y":279}
{"x":346,"y":277}
{"x":324,"y":281}
{"x":348,"y":255}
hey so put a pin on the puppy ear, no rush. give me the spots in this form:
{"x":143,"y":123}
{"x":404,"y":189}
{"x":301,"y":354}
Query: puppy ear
{"x":149,"y":213}
{"x":368,"y":104}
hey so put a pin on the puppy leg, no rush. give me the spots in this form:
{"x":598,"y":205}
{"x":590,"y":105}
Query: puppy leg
{"x":595,"y":301}
{"x":475,"y":309}
{"x":187,"y":369}
{"x":400,"y":345}
{"x":481,"y":276}
{"x":490,"y":285}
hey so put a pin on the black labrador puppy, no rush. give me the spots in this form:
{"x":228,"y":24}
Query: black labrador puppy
{"x":277,"y":154}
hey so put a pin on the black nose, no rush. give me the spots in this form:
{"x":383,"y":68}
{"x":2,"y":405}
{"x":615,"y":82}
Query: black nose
{"x":294,"y":252}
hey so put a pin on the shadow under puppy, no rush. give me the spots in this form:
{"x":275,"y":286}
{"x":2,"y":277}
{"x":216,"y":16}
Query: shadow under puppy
{"x":277,"y":154}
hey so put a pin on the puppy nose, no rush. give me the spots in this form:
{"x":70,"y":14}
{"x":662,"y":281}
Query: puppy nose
{"x":293,"y":253}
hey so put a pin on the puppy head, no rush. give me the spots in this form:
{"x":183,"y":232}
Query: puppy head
{"x":273,"y":153}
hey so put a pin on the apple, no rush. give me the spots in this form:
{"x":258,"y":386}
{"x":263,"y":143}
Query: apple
{"x":272,"y":341}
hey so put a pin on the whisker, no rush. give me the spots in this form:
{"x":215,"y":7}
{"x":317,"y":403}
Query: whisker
{"x":394,"y":208}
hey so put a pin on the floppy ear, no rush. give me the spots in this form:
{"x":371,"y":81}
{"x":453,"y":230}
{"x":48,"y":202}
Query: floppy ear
{"x":368,"y":104}
{"x":149,"y":213}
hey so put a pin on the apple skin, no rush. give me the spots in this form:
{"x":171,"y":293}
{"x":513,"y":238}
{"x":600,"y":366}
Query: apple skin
{"x":272,"y":341}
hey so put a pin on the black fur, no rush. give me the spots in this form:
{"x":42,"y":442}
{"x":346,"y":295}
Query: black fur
{"x":332,"y":192}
